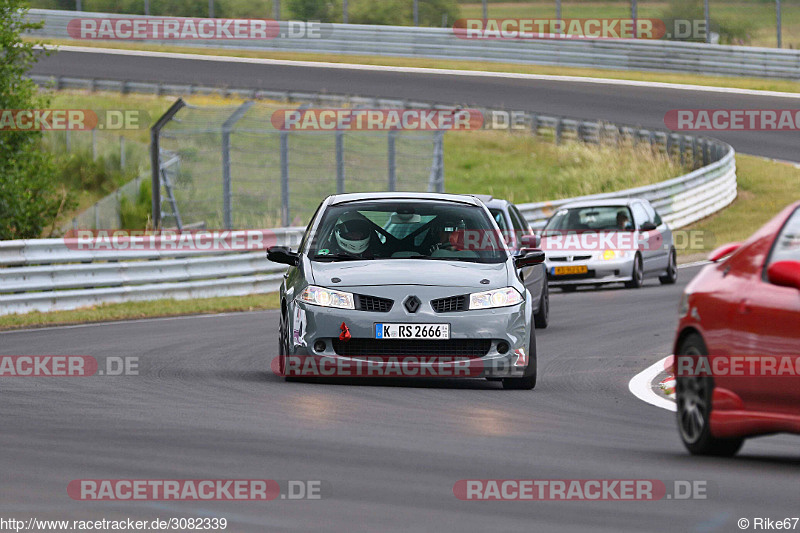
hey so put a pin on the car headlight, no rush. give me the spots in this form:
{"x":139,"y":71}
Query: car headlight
{"x":327,"y":297}
{"x":610,"y":255}
{"x":496,"y":298}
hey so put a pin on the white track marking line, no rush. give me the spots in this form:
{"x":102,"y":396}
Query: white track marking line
{"x":640,"y":386}
{"x":421,"y":70}
{"x":696,"y":263}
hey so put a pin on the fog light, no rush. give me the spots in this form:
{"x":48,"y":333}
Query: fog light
{"x":319,"y":346}
{"x":502,"y":347}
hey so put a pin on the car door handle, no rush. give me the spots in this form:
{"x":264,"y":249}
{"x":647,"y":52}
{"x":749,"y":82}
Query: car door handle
{"x":744,"y":306}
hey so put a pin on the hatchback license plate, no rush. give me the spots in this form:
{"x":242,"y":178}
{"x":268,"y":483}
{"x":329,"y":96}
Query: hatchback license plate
{"x":412,"y":331}
{"x":566,"y":271}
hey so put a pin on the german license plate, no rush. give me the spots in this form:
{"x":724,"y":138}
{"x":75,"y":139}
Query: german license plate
{"x":570,"y":270}
{"x":412,"y":331}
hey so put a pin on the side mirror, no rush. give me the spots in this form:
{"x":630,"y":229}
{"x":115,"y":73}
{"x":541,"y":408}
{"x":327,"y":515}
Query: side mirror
{"x":529,"y":257}
{"x":530,"y":241}
{"x":283,"y":255}
{"x":785,"y":274}
{"x":648,"y":226}
{"x":723,"y":251}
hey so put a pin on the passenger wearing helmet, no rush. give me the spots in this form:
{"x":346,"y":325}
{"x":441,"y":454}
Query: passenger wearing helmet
{"x":354,"y":237}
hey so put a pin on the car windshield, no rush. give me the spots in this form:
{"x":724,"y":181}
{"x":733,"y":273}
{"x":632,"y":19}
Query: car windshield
{"x":601,"y":218}
{"x":787,"y":245}
{"x":405,"y":229}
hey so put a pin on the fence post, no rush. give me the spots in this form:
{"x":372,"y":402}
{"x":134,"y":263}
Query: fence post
{"x":94,"y":144}
{"x":227,"y":128}
{"x":121,"y":152}
{"x":391,"y":138}
{"x":284,"y":178}
{"x":436,"y":179}
{"x":339,"y":162}
{"x":155,"y":159}
{"x":67,"y":141}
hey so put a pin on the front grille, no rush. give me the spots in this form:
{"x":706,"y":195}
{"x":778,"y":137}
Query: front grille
{"x":574,"y":258}
{"x":450,"y":304}
{"x":373,"y":303}
{"x":398,"y":347}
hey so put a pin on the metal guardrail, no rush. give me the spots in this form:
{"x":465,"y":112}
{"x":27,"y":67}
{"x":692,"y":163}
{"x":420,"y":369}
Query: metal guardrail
{"x":442,"y":43}
{"x":47,"y":275}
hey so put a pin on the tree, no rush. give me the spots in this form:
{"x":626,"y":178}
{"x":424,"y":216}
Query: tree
{"x":29,"y":201}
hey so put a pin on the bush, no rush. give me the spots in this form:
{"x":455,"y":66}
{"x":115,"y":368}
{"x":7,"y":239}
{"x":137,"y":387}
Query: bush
{"x":730,"y":32}
{"x":29,"y":200}
{"x":322,"y":10}
{"x":401,"y":12}
{"x":136,"y":214}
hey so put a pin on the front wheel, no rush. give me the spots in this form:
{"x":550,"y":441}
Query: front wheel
{"x":671,"y":276}
{"x":637,"y":273}
{"x":528,"y":380}
{"x":542,"y":316}
{"x":693,"y":397}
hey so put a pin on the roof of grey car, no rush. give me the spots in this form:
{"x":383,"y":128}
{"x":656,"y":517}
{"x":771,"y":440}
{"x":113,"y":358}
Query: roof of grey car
{"x":353,"y":197}
{"x":611,"y":202}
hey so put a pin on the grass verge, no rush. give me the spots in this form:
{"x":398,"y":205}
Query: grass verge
{"x":691,"y":79}
{"x":765,"y":187}
{"x":134,"y":310}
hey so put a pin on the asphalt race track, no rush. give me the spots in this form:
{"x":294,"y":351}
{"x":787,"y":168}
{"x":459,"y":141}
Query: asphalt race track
{"x":205,"y":405}
{"x":643,"y":106}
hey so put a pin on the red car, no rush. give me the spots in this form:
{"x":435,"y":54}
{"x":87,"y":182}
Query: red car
{"x":737,"y":347}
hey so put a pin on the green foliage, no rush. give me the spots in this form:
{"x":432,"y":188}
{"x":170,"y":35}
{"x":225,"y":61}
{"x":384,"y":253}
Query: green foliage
{"x":29,"y":201}
{"x":401,"y":12}
{"x":136,"y":214}
{"x":79,"y":172}
{"x":322,"y":10}
{"x":730,"y":31}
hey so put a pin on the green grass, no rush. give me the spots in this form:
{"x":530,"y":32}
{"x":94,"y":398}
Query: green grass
{"x":765,"y":187}
{"x":757,"y":84}
{"x":134,"y":310}
{"x":521,"y":168}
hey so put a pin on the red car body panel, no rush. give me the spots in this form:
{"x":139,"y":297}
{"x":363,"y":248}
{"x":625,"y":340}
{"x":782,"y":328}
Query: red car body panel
{"x":738,"y":312}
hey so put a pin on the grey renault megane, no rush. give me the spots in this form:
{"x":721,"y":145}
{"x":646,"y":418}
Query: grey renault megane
{"x":397,"y":277}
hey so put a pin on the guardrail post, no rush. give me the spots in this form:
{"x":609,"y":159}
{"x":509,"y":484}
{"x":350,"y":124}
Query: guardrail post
{"x":391,"y":138}
{"x":559,"y":128}
{"x":339,"y":162}
{"x":682,"y":147}
{"x":534,"y":124}
{"x":284,"y":136}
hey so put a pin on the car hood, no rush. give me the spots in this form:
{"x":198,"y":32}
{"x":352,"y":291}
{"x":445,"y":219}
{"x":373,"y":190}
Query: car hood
{"x":410,"y":272}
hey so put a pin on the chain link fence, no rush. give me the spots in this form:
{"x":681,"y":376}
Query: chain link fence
{"x":230,"y":167}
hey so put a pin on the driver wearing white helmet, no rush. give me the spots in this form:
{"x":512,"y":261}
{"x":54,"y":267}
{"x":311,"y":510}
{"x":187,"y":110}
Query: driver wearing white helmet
{"x":354,"y":236}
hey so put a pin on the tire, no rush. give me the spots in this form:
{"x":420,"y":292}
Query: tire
{"x":528,"y":380}
{"x":542,"y":316}
{"x":672,"y":270}
{"x":283,"y":346}
{"x":693,"y":396}
{"x":637,"y":274}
